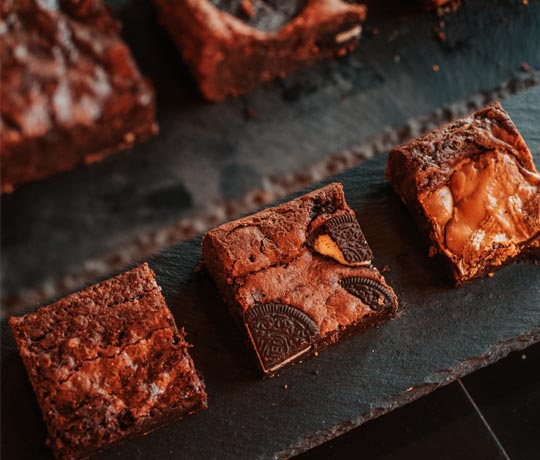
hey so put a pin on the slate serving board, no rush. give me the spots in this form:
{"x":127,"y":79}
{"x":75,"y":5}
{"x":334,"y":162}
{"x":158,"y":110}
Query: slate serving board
{"x":71,"y":223}
{"x":441,"y":334}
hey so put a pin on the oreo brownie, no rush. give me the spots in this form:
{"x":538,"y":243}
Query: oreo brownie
{"x":233,"y":45}
{"x":473,"y":190}
{"x":70,"y":90}
{"x":107,"y":363}
{"x":298,"y":277}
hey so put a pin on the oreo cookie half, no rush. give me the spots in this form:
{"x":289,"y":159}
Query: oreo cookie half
{"x":371,"y":293}
{"x":279,"y":333}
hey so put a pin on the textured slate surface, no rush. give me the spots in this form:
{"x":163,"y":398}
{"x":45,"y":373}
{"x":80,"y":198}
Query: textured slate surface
{"x":442,"y":425}
{"x":501,"y":420}
{"x":511,"y":406}
{"x":208,"y":152}
{"x":441,"y":334}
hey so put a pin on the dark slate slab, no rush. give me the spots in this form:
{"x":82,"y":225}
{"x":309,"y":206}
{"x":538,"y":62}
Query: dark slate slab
{"x":511,"y":405}
{"x":441,"y":334}
{"x":207,"y":153}
{"x":442,"y":425}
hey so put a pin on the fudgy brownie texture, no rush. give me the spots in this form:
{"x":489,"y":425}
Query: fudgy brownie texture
{"x":107,"y":363}
{"x":473,"y":190}
{"x":233,"y":45}
{"x":70,"y":90}
{"x":297,"y":277}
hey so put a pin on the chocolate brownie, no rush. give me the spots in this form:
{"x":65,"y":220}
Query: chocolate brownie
{"x":233,"y":45}
{"x":107,"y":363}
{"x":70,"y":91}
{"x":474,"y":191}
{"x":297,"y":277}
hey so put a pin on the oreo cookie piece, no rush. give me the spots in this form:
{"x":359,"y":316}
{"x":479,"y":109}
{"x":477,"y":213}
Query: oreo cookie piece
{"x":342,"y":239}
{"x":371,"y":293}
{"x":279,"y":333}
{"x":265,"y":15}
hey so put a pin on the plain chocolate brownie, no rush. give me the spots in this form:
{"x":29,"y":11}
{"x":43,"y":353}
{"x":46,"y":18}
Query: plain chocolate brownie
{"x":107,"y":363}
{"x":70,"y":91}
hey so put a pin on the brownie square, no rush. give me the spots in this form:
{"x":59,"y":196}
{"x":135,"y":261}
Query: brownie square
{"x":107,"y":363}
{"x":70,"y":90}
{"x":233,"y":45}
{"x":473,"y":190}
{"x":297,"y":277}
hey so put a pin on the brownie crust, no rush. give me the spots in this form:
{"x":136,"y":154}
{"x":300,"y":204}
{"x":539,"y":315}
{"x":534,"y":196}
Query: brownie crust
{"x":473,"y":190}
{"x":107,"y":363}
{"x":71,"y":92}
{"x":285,"y":278}
{"x":229,"y":54}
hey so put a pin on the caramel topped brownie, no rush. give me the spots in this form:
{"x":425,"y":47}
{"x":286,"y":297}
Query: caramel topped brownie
{"x":473,"y":189}
{"x":299,"y":276}
{"x":234,"y":45}
{"x":71,"y":92}
{"x":107,"y":363}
